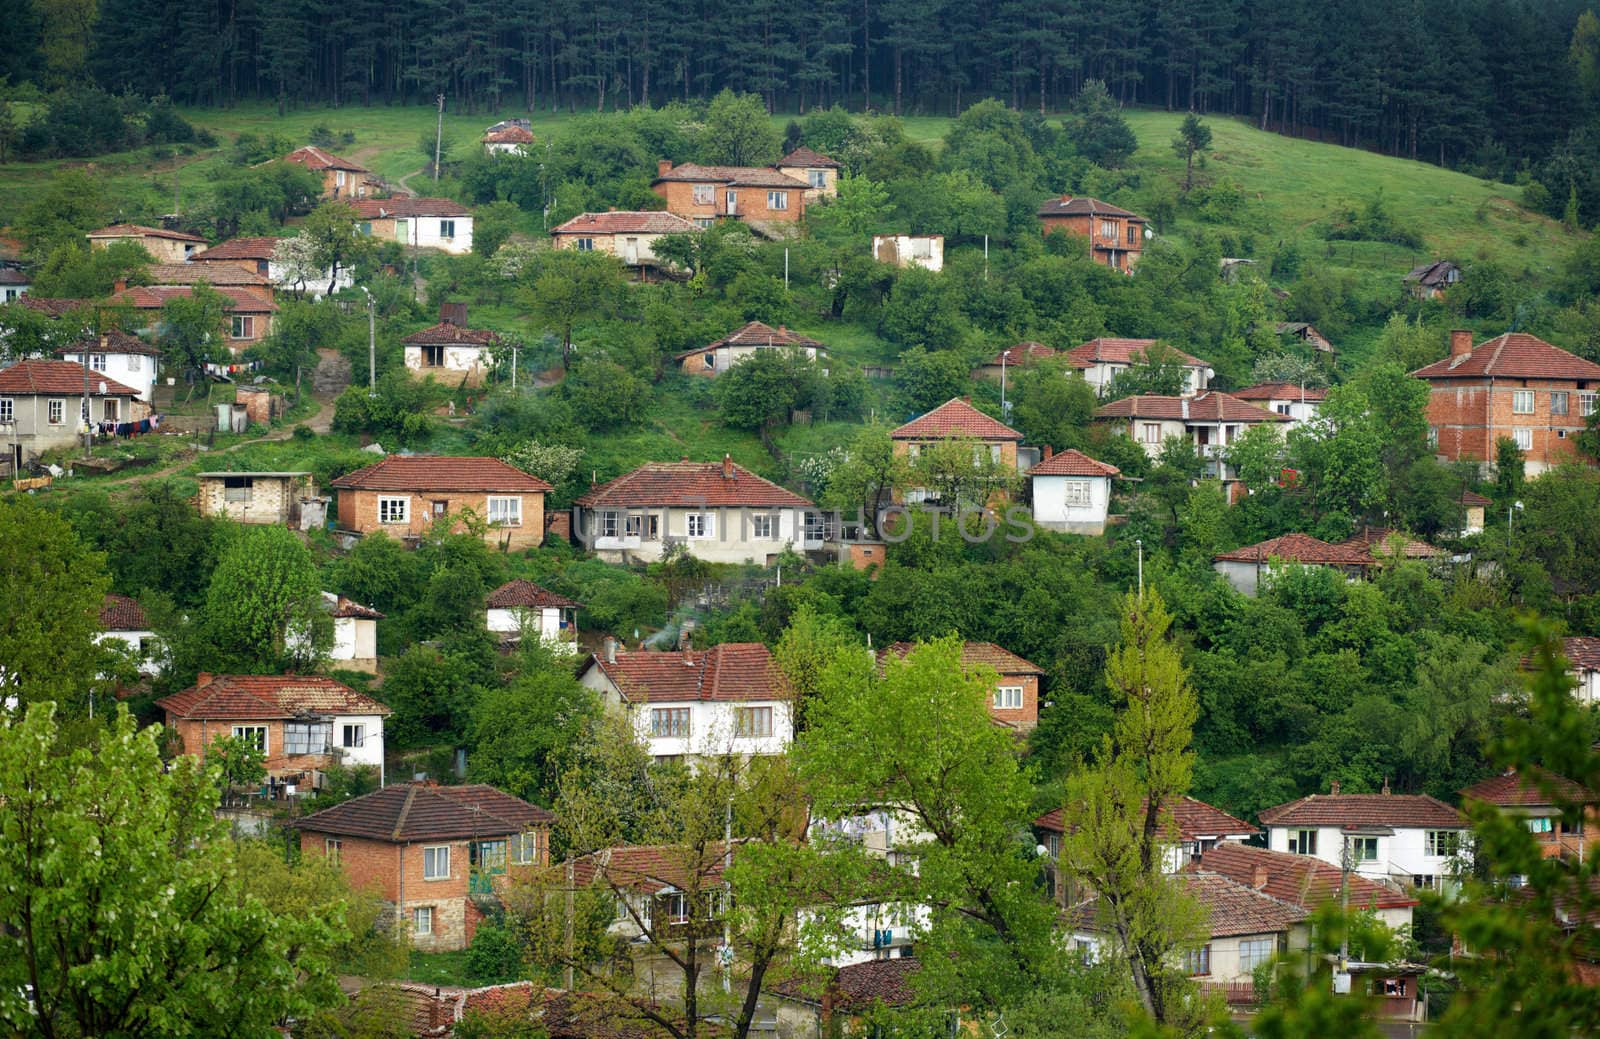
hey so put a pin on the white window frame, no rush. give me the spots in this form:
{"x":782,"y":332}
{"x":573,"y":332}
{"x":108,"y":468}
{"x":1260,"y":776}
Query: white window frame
{"x":331,"y":846}
{"x":8,"y":409}
{"x":1360,"y":846}
{"x":1523,"y":435}
{"x":301,"y":737}
{"x":394,"y":509}
{"x":753,"y":722}
{"x":249,"y":732}
{"x":1077,"y":494}
{"x":1008,"y":698}
{"x":704,"y":195}
{"x":97,"y":362}
{"x":357,"y":730}
{"x":510,"y":504}
{"x":609,"y":522}
{"x":56,"y":412}
{"x":1302,"y":842}
{"x":1559,"y":402}
{"x":1443,"y":843}
{"x":700,"y":525}
{"x":818,"y":179}
{"x":241,"y":326}
{"x":1522,"y":402}
{"x":431,"y":856}
{"x":1108,"y":229}
{"x":761,"y":525}
{"x":422,"y":921}
{"x":704,"y":222}
{"x":586,"y":245}
{"x":1150,"y":433}
{"x":447,"y":229}
{"x":1255,"y":951}
{"x":777,"y":200}
{"x":633,"y":525}
{"x":1586,"y":403}
{"x":523,"y":849}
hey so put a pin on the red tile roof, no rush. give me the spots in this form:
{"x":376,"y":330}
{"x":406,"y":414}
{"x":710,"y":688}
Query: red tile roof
{"x":1298,"y":548}
{"x":974,"y":654}
{"x":264,"y":697}
{"x":446,"y":334}
{"x":1397,"y":810}
{"x":1281,"y":391}
{"x":1082,"y":205}
{"x":1375,"y":541}
{"x":739,"y":176}
{"x":386,"y":208}
{"x":1194,"y":820}
{"x":1234,"y":909}
{"x":1026,"y":352}
{"x":314,"y":158}
{"x":509,"y":135}
{"x":1210,"y":406}
{"x":806,"y":158}
{"x":642,"y":221}
{"x":690,"y":485}
{"x":733,"y":671}
{"x":526,"y":593}
{"x":12,"y":276}
{"x":1300,"y":880}
{"x":253,"y":247}
{"x":62,"y":377}
{"x":53,"y":307}
{"x":1072,"y":462}
{"x":1515,"y":355}
{"x":1473,"y":498}
{"x":191,"y":274}
{"x":1124,"y":351}
{"x":860,"y":986}
{"x":154,"y":297}
{"x":439,"y":473}
{"x":120,"y":613}
{"x":406,"y":812}
{"x":757,"y":334}
{"x":1582,"y":652}
{"x":956,"y":417}
{"x":342,"y":607}
{"x":115,"y":341}
{"x":652,"y":868}
{"x":140,"y":231}
{"x":1513,"y":790}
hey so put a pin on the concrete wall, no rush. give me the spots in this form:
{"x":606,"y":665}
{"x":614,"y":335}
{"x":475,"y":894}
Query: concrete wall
{"x":358,"y":511}
{"x":1400,"y":857}
{"x":713,"y":726}
{"x":355,"y":642}
{"x":544,"y":620}
{"x":730,"y":539}
{"x":271,"y":499}
{"x":1050,"y":507}
{"x":725,"y":357}
{"x":461,"y":363}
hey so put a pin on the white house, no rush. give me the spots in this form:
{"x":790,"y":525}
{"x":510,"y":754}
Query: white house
{"x":510,"y":137}
{"x":1307,"y":882}
{"x":423,"y":223}
{"x":521,"y":606}
{"x":720,"y":511}
{"x":1194,"y":826}
{"x":1210,"y":420}
{"x":717,"y":357}
{"x":355,"y":633}
{"x":729,"y":699}
{"x":1583,"y":657}
{"x":1408,"y":839}
{"x":260,"y":254}
{"x":908,"y":250}
{"x":882,"y":930}
{"x":124,"y":621}
{"x":117,"y":355}
{"x":1298,"y":402}
{"x":450,"y":353}
{"x":1101,"y":360}
{"x":1071,"y":492}
{"x":14,"y":284}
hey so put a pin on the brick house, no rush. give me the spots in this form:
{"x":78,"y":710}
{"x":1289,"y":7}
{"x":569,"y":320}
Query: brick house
{"x":301,"y":723}
{"x":247,"y":316}
{"x":755,"y":194}
{"x":670,"y":890}
{"x":815,"y":168}
{"x":956,"y":419}
{"x":1515,"y":385}
{"x":1101,"y":360}
{"x":1583,"y":666}
{"x":405,"y":495}
{"x":630,"y":235}
{"x":1524,"y":797}
{"x":847,"y":996}
{"x":163,"y":246}
{"x":216,"y":275}
{"x":341,"y":178}
{"x":1116,"y":236}
{"x":1015,"y":700}
{"x":1307,"y":881}
{"x":42,"y":406}
{"x":255,"y":497}
{"x":257,"y":254}
{"x":717,"y":357}
{"x":433,"y":853}
{"x":450,"y":353}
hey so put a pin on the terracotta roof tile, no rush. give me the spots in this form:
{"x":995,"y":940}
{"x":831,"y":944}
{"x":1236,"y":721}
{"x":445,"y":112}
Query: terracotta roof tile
{"x":120,"y":613}
{"x":439,"y":473}
{"x":260,"y":697}
{"x":1299,"y":548}
{"x":690,"y":485}
{"x":1513,"y":790}
{"x":1397,"y":810}
{"x":1124,"y":351}
{"x":54,"y":307}
{"x":1515,"y":355}
{"x":12,"y":276}
{"x":1083,"y":205}
{"x":140,"y":231}
{"x":1023,"y":353}
{"x":739,"y":176}
{"x":858,"y":987}
{"x":758,"y":335}
{"x":1210,"y":406}
{"x":527,"y":594}
{"x":1375,"y":541}
{"x":1473,"y":498}
{"x":446,"y":334}
{"x":956,"y":417}
{"x":733,"y":671}
{"x":314,"y":158}
{"x":1299,"y":880}
{"x":974,"y":654}
{"x":652,"y":868}
{"x":1582,"y":652}
{"x":1281,"y":391}
{"x":641,"y":221}
{"x":806,"y":158}
{"x":154,"y":297}
{"x":1072,"y":462}
{"x":406,"y":812}
{"x":63,"y":377}
{"x":1194,"y":819}
{"x":250,"y":247}
{"x":339,"y":606}
{"x":385,"y":208}
{"x":1234,"y":909}
{"x":509,"y":135}
{"x":115,"y":341}
{"x":211,"y":274}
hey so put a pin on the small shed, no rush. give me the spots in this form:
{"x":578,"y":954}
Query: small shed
{"x":272,"y":498}
{"x":904,"y":250}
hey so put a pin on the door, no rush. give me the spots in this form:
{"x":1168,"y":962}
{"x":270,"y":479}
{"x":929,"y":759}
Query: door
{"x":733,"y":203}
{"x":630,"y":251}
{"x":402,"y":230}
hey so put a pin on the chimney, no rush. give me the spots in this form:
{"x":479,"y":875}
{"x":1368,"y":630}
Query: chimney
{"x":120,"y":285}
{"x":202,"y":679}
{"x":1183,"y":406}
{"x":105,"y":342}
{"x":727,"y":466}
{"x":1333,"y":788}
{"x":1460,"y":342}
{"x":663,"y":167}
{"x":1260,"y":877}
{"x":453,"y":314}
{"x":1048,"y":450}
{"x":610,"y":649}
{"x":683,"y":458}
{"x":1385,"y":786}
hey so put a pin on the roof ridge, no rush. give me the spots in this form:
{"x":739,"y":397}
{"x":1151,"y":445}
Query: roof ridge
{"x":405,"y":810}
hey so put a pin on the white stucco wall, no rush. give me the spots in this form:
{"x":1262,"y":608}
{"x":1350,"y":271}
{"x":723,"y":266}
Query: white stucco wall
{"x":142,"y":643}
{"x":135,"y":371}
{"x":1400,"y":857}
{"x":1050,"y":507}
{"x":370,"y":750}
{"x":729,"y":535}
{"x":1100,"y":374}
{"x":423,"y":232}
{"x":510,"y":620}
{"x":456,"y":359}
{"x":713,"y":726}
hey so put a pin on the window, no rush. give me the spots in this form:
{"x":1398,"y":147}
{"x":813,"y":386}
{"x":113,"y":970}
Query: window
{"x":1150,"y":433}
{"x":331,"y":847}
{"x":243,"y":327}
{"x":436,"y":863}
{"x":1133,"y":234}
{"x":307,"y":737}
{"x":1433,"y":436}
{"x":1394,"y":986}
{"x":761,"y":525}
{"x":710,"y":359}
{"x":256,"y":735}
{"x":1197,"y":962}
{"x":365,"y":227}
{"x":1303,"y":842}
{"x":134,"y":362}
{"x":353,"y":736}
{"x":422,"y":920}
{"x":755,"y":721}
{"x":1108,"y":229}
{"x":1255,"y":951}
{"x":608,"y":523}
{"x":818,"y":179}
{"x":700,"y":524}
{"x":777,"y":200}
{"x":394,"y":510}
{"x":674,"y":908}
{"x":1522,"y":402}
{"x":669,"y":722}
{"x":1364,"y":849}
{"x":1444,"y":843}
{"x":58,"y":412}
{"x":1008,"y":698}
{"x":97,"y":362}
{"x":703,"y":222}
{"x":1541,"y":825}
{"x":237,"y":488}
{"x":1586,"y":403}
{"x":1558,"y":402}
{"x":447,"y":229}
{"x":1426,"y":881}
{"x":525,"y":849}
{"x":433,"y":357}
{"x":505,"y":512}
{"x":817,"y":527}
{"x":704,"y":195}
{"x":1282,"y":409}
{"x":1076,"y":494}
{"x":1524,"y":439}
{"x":338,"y":178}
{"x":7,"y":410}
{"x":491,"y":856}
{"x":586,"y":245}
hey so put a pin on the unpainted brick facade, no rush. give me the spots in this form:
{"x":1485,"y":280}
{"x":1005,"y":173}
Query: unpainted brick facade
{"x":748,"y":203}
{"x":1114,"y":241}
{"x":359,"y":511}
{"x":268,"y":499}
{"x":1026,"y":716}
{"x":1467,"y":417}
{"x":196,"y":736}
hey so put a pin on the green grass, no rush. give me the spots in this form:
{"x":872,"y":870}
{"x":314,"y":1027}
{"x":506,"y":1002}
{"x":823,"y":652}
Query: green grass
{"x":438,"y":968}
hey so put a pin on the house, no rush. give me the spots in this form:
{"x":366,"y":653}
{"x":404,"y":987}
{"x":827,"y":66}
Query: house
{"x":14,"y":284}
{"x":341,"y":178}
{"x":128,"y":359}
{"x":880,"y":922}
{"x":42,"y":405}
{"x":956,"y":419}
{"x":1296,"y":400}
{"x":1015,"y":700}
{"x":729,"y":699}
{"x":258,"y":254}
{"x":815,"y":169}
{"x":433,"y":853}
{"x":503,"y":139}
{"x":1525,"y":797}
{"x":302,"y":724}
{"x":1383,"y":543}
{"x":1022,"y":355}
{"x":1583,"y":659}
{"x":355,"y":633}
{"x":248,"y":316}
{"x":1210,"y":420}
{"x":1431,"y":280}
{"x":255,"y":497}
{"x":521,"y":606}
{"x":908,"y":250}
{"x":630,"y":236}
{"x":1101,"y":360}
{"x":755,"y":194}
{"x":1472,"y":507}
{"x":1307,"y":333}
{"x":1409,"y":839}
{"x":405,"y":495}
{"x":717,"y":357}
{"x":845,"y":998}
{"x":1196,"y":827}
{"x":1071,"y":492}
{"x":1245,"y":567}
{"x":1116,"y":236}
{"x":720,"y":511}
{"x":419,"y":223}
{"x":1308,"y":882}
{"x":1516,"y":386}
{"x":215,"y":275}
{"x":451,"y":353}
{"x":122,"y":620}
{"x":163,"y":246}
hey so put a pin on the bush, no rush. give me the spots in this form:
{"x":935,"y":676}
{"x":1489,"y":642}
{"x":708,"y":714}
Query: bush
{"x":495,"y":955}
{"x":1374,"y":222}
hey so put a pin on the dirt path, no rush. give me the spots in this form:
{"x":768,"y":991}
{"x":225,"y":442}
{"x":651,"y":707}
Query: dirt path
{"x":320,"y":422}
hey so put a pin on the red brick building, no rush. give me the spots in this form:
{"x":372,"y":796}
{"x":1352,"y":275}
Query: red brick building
{"x":755,"y":194}
{"x":404,"y":495}
{"x":1015,"y":700}
{"x":341,"y":178}
{"x":436,"y":854}
{"x":1515,"y":385}
{"x":1116,"y":236}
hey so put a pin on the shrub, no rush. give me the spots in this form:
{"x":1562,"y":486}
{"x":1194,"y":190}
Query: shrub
{"x":495,"y":955}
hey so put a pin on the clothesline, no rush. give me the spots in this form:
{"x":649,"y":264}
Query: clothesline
{"x":129,"y":429}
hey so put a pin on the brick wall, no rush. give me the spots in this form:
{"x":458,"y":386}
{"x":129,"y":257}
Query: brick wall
{"x":1469,"y":416}
{"x":680,"y":200}
{"x":1027,"y":716}
{"x":196,"y":736}
{"x":751,"y":203}
{"x":271,"y":500}
{"x":358,"y":510}
{"x":1089,"y":227}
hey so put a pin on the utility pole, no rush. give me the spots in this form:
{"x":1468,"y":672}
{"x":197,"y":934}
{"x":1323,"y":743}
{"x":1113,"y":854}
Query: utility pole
{"x":1138,"y":544}
{"x":438,"y":138}
{"x":88,"y":430}
{"x":372,"y":346}
{"x":726,"y":955}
